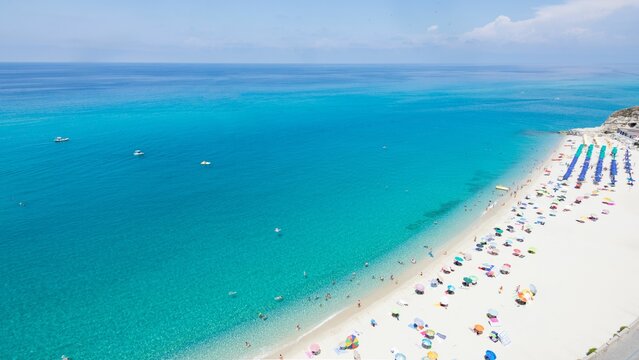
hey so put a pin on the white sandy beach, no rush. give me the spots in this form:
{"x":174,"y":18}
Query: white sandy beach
{"x":584,"y":275}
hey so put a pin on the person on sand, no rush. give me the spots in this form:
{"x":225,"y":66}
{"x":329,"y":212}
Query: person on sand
{"x":281,"y":357}
{"x":298,"y":327}
{"x":247,"y":344}
{"x":501,"y":288}
{"x":359,"y":304}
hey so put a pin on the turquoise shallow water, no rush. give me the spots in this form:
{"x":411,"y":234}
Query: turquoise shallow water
{"x":117,"y":256}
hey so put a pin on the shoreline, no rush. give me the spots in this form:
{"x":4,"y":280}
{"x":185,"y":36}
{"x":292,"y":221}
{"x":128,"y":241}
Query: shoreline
{"x":377,"y":303}
{"x":452,"y":246}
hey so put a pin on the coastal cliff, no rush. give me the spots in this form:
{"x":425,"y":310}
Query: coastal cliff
{"x":627,"y":118}
{"x":624,"y":118}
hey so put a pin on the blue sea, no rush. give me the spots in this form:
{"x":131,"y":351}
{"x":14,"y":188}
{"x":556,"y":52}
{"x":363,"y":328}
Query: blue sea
{"x":108,"y":255}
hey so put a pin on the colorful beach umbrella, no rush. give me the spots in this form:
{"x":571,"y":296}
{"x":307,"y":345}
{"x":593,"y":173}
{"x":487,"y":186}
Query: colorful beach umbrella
{"x":400,"y":356}
{"x":419,"y":322}
{"x":419,"y":287}
{"x":451,"y":288}
{"x":443,"y":301}
{"x":426,"y":343}
{"x":533,"y":289}
{"x":490,"y":355}
{"x":314,"y":348}
{"x":459,"y":259}
{"x":468,"y":280}
{"x":492,"y":312}
{"x":532,"y":250}
{"x":432,"y":355}
{"x":478,"y":328}
{"x":474,"y":279}
{"x":352,"y":342}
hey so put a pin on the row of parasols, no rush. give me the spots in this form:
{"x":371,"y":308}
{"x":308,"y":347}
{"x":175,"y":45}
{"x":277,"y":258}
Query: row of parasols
{"x":584,"y":167}
{"x":571,"y":167}
{"x":628,"y":167}
{"x":599,"y":169}
{"x":613,"y":167}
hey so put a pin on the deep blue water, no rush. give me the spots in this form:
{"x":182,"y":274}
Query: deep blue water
{"x":111,"y":255}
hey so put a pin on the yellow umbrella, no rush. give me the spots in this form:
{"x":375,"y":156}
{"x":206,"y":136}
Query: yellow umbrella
{"x":432,"y":355}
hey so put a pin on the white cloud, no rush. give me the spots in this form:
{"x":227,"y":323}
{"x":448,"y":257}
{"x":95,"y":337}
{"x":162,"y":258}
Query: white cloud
{"x":567,"y":20}
{"x":432,"y":28}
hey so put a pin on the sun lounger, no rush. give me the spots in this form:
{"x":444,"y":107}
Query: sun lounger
{"x":504,"y":338}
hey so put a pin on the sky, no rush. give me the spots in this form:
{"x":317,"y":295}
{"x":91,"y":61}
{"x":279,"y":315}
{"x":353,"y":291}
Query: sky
{"x":321,"y":31}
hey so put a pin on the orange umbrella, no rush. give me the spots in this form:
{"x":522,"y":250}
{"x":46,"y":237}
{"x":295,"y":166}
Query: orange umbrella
{"x":478,"y":328}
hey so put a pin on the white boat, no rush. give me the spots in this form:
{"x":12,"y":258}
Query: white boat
{"x":138,"y":153}
{"x":502,"y":188}
{"x":205,"y":163}
{"x":61,"y":139}
{"x":279,"y":298}
{"x":278,"y":230}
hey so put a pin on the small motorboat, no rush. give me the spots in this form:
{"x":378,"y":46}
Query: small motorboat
{"x":277,"y":230}
{"x":232,"y":293}
{"x":279,"y":298}
{"x":205,"y":163}
{"x":138,"y":153}
{"x":60,"y":139}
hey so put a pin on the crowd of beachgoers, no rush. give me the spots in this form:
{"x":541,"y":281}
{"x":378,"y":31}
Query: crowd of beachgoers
{"x":542,"y":272}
